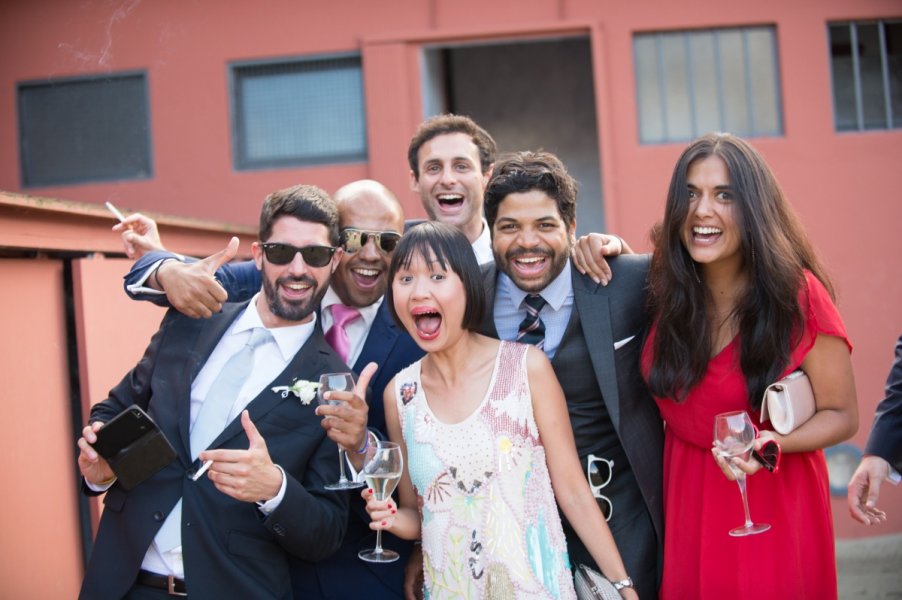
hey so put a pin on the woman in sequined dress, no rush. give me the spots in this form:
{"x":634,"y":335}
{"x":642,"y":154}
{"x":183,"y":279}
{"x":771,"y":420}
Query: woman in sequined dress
{"x":489,"y":451}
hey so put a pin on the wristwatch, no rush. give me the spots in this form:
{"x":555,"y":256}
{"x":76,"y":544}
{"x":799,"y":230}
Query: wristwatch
{"x":623,"y":583}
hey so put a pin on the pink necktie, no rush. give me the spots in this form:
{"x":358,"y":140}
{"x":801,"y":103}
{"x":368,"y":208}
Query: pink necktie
{"x":337,"y":336}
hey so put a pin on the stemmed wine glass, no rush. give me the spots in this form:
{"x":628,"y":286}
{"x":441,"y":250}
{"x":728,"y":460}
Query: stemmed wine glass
{"x":382,"y":470}
{"x":734,"y":435}
{"x":343,"y":382}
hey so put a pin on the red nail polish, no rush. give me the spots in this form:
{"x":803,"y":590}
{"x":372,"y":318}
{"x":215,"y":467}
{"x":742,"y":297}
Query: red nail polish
{"x":383,"y":523}
{"x":392,"y":511}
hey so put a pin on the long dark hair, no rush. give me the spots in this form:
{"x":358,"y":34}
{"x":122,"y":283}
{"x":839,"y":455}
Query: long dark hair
{"x":775,"y":251}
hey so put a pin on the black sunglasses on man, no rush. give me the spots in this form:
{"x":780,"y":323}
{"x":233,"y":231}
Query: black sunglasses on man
{"x":282,"y":254}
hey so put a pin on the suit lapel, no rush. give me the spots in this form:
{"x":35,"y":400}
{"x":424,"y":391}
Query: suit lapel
{"x":380,"y":340}
{"x":593,"y":304}
{"x":489,"y":278}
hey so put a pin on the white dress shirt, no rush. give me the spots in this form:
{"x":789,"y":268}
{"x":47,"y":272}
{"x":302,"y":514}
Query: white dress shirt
{"x":482,"y":247}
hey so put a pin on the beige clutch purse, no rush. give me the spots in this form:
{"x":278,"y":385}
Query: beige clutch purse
{"x":788,"y":403}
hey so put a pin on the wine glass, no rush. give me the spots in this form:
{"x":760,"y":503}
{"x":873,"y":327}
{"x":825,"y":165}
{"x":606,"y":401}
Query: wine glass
{"x":340,"y":382}
{"x":734,"y":435}
{"x":382,"y":470}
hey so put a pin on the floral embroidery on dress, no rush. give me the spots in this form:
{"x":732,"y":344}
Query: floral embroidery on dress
{"x":491,"y":528}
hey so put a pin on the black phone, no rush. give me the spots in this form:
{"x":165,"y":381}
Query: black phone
{"x":134,"y":446}
{"x":122,"y":431}
{"x":768,"y":456}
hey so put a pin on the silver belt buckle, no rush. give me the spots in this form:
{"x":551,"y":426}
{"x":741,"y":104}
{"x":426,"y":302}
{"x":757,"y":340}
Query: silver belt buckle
{"x":170,"y":581}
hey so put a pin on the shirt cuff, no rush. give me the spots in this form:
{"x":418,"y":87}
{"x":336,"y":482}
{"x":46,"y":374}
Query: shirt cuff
{"x":273,"y":503}
{"x":100,"y":487}
{"x":372,"y":439}
{"x":139,"y":288}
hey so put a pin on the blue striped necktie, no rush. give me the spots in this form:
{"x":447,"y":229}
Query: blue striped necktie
{"x":532,"y":329}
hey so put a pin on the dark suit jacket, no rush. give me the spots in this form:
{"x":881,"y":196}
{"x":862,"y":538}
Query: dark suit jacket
{"x":342,"y":575}
{"x":610,"y":314}
{"x":392,"y":349}
{"x":231,"y":550}
{"x":885,"y":439}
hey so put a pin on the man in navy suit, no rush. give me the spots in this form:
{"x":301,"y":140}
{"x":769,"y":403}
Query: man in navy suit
{"x":370,"y":223}
{"x":234,"y":532}
{"x":883,"y":453}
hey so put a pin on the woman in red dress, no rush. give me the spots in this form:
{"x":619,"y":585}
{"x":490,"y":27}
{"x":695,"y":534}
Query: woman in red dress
{"x":740,"y":300}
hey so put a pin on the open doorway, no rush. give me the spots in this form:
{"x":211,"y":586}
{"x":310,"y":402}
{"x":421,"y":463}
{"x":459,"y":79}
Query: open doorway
{"x":530,"y":95}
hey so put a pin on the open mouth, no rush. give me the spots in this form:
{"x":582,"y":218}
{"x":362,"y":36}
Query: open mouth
{"x":365,"y":278}
{"x":450,"y":202}
{"x":529,"y":264}
{"x":427,"y":321}
{"x":706,"y":235}
{"x":295,"y":289}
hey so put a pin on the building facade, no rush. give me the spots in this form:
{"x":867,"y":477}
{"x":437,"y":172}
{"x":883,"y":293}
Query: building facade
{"x":198,"y":109}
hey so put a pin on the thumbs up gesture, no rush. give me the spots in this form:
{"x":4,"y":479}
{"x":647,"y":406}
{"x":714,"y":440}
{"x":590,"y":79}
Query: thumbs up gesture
{"x":191,"y":288}
{"x":246,"y":475}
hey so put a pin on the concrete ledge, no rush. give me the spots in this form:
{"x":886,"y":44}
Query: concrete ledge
{"x":53,"y":225}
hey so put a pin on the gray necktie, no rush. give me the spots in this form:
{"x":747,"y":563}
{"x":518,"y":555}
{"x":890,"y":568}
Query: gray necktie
{"x":212,"y":418}
{"x":213,"y":415}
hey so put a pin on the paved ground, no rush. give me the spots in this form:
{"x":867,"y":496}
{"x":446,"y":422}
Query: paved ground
{"x":870,"y":569}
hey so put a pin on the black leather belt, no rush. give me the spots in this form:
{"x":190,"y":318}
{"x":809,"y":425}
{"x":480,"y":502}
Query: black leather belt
{"x":172,"y":585}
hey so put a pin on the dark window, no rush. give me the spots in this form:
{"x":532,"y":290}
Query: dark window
{"x":692,"y":82}
{"x":299,"y":112}
{"x":866,"y":63}
{"x":75,"y":131}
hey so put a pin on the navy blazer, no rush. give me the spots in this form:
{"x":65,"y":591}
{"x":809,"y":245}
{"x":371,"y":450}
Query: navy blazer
{"x":231,"y":550}
{"x":885,"y":439}
{"x":342,"y":575}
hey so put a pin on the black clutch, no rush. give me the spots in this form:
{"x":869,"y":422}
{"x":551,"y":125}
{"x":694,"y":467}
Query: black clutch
{"x":134,"y":446}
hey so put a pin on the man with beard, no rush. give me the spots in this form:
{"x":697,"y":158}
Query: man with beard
{"x":370,"y":224}
{"x":232,"y":533}
{"x":592,"y":334}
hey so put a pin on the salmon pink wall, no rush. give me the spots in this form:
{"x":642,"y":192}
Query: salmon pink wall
{"x":39,"y":512}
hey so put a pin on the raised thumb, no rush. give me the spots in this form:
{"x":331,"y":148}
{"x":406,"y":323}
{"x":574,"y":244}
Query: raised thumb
{"x":250,"y":429}
{"x":214,"y":261}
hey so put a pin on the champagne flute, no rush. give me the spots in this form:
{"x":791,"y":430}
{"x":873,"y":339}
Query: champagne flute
{"x":734,"y":435}
{"x":382,"y":470}
{"x":340,"y":382}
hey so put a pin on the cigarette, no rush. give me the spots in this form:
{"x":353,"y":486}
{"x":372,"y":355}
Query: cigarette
{"x":202,"y":470}
{"x":115,"y":211}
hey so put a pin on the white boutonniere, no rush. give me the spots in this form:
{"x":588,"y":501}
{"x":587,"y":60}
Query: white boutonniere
{"x":303,"y":389}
